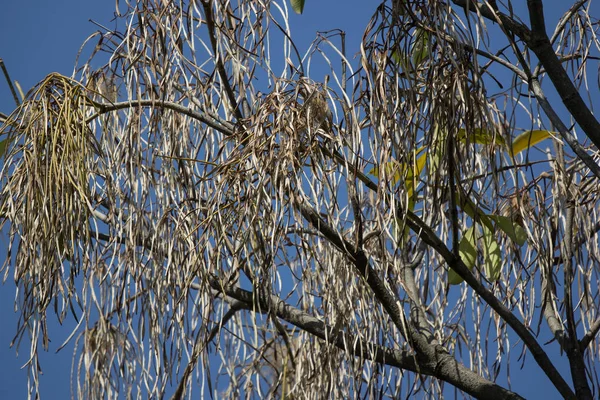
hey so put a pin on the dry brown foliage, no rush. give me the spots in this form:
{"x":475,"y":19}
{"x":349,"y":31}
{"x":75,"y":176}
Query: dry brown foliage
{"x":222,"y":224}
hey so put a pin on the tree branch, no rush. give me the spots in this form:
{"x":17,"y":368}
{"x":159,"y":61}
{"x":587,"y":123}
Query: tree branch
{"x":540,"y":44}
{"x":210,"y":23}
{"x":443,"y":366}
{"x":216,"y":124}
{"x":426,"y":234}
{"x":536,"y":89}
{"x":538,"y":38}
{"x":9,"y":82}
{"x":488,"y":12}
{"x":435,"y":356}
{"x":565,"y":19}
{"x":342,"y":340}
{"x":590,"y":335}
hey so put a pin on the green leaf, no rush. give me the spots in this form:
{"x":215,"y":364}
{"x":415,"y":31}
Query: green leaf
{"x":491,"y":255}
{"x":421,"y":49}
{"x":480,"y":136}
{"x":438,"y":144}
{"x":472,"y":210}
{"x":399,"y":59}
{"x":528,"y":139}
{"x":467,"y":249}
{"x":513,"y":230}
{"x":3,"y":145}
{"x":419,"y":52}
{"x":298,"y":5}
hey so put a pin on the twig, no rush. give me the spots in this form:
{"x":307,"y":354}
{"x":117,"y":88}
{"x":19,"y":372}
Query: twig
{"x":210,"y":23}
{"x":562,"y":129}
{"x":10,"y":84}
{"x":199,"y":347}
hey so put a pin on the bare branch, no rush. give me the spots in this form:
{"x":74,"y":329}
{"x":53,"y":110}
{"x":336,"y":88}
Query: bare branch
{"x":441,"y":365}
{"x":589,"y":335}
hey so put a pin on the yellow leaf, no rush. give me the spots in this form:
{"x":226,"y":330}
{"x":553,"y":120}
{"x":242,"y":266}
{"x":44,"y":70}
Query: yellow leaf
{"x":480,"y":136}
{"x":391,"y":168}
{"x":527,"y":139}
{"x":414,"y":173}
{"x":401,"y":170}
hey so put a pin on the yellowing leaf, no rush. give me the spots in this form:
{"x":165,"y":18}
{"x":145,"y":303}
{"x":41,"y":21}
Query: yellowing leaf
{"x":401,"y":170}
{"x":467,"y":249}
{"x":414,"y":173}
{"x":527,"y":139}
{"x":491,"y":255}
{"x":391,"y":168}
{"x":480,"y":136}
{"x":472,"y":210}
{"x":512,"y":229}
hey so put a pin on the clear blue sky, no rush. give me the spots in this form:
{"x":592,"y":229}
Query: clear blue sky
{"x":39,"y":37}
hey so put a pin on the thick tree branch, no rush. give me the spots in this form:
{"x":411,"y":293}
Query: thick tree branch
{"x":435,"y":356}
{"x":539,"y":42}
{"x":344,"y":341}
{"x":426,"y":234}
{"x":574,"y":353}
{"x":443,"y":366}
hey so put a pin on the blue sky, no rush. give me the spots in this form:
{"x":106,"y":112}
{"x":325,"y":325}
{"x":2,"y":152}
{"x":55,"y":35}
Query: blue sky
{"x":40,"y":37}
